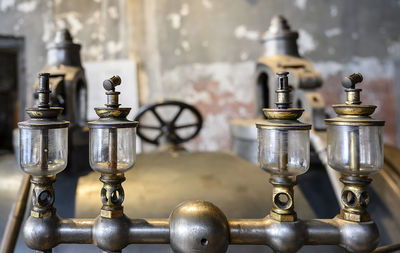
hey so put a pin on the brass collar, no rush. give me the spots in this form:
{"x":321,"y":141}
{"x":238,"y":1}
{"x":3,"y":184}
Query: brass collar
{"x":354,"y":115}
{"x":284,"y":119}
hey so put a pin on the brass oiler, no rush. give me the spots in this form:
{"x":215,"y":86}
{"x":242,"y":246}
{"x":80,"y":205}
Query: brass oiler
{"x":200,"y":226}
{"x":355,"y":149}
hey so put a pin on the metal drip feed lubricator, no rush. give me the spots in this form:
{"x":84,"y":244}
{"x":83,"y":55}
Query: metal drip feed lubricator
{"x":354,"y":148}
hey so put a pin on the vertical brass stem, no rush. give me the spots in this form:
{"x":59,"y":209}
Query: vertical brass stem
{"x":44,"y":149}
{"x":283,"y":150}
{"x":354,"y":150}
{"x":353,"y":97}
{"x":113,"y":146}
{"x":112,"y":99}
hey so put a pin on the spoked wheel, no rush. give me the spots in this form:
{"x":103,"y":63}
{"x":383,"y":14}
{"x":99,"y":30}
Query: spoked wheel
{"x":168,"y":129}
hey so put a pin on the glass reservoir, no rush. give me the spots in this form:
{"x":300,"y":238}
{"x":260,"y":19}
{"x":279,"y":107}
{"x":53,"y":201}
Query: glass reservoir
{"x":355,"y":150}
{"x":44,"y":152}
{"x":355,"y":142}
{"x":112,"y":150}
{"x":284,"y":152}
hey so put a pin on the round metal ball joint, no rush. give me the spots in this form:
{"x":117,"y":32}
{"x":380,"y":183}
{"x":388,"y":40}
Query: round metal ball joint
{"x":111,"y":235}
{"x":198,"y":227}
{"x":41,"y":233}
{"x":285,"y":237}
{"x":356,"y":238}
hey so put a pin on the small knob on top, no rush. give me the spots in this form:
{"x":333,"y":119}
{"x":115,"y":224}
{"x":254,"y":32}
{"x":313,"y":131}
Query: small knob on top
{"x":353,"y":94}
{"x":112,"y":95}
{"x":350,"y":81}
{"x":110,"y":83}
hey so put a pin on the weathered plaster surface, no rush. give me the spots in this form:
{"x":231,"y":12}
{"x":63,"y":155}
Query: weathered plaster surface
{"x":220,"y":91}
{"x":100,"y":26}
{"x":339,"y":37}
{"x":203,"y":52}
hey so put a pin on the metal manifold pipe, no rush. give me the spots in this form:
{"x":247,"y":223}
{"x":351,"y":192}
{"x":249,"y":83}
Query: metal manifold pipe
{"x":186,"y":231}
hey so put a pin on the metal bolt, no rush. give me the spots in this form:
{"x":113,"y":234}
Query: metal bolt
{"x":283,"y":90}
{"x":44,"y":90}
{"x":44,"y":81}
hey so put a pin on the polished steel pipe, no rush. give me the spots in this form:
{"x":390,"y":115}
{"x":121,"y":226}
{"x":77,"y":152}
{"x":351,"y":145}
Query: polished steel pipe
{"x":326,"y":232}
{"x":245,"y":231}
{"x":260,"y":232}
{"x":290,"y":236}
{"x":280,"y":236}
{"x":76,"y":231}
{"x":149,"y":231}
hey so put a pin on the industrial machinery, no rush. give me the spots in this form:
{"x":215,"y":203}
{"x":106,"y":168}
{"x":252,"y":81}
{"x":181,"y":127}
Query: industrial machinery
{"x":201,"y":181}
{"x":200,"y":226}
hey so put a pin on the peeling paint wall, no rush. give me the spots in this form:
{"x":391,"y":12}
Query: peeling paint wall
{"x":219,"y":90}
{"x":204,"y":52}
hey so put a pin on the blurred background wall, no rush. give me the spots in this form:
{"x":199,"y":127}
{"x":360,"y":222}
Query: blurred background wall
{"x":204,"y":52}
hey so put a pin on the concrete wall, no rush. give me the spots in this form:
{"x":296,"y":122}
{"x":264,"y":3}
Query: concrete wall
{"x":204,"y":51}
